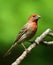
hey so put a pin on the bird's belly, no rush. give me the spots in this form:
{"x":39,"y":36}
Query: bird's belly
{"x":30,"y":34}
{"x":32,"y":27}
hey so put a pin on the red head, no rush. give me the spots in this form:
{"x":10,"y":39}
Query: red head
{"x":34,"y":18}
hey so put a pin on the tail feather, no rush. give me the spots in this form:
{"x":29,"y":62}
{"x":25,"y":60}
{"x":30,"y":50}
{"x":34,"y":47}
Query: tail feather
{"x":10,"y":50}
{"x":14,"y":46}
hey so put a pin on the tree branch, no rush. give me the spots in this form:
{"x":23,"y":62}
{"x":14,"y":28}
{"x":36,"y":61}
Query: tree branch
{"x":37,"y":41}
{"x":50,"y":34}
{"x":48,"y":43}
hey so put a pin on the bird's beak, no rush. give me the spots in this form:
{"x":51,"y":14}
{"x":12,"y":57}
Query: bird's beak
{"x":38,"y":16}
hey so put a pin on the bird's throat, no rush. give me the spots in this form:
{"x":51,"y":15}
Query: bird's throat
{"x":35,"y":21}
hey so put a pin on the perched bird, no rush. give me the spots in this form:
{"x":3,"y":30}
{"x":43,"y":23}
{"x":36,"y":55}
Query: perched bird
{"x":26,"y":33}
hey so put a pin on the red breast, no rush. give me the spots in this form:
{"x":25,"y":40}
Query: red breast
{"x":34,"y":26}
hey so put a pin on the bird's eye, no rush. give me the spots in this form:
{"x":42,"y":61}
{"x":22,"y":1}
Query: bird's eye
{"x":33,"y":16}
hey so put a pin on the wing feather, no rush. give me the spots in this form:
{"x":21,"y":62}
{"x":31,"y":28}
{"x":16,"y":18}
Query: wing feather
{"x":22,"y":31}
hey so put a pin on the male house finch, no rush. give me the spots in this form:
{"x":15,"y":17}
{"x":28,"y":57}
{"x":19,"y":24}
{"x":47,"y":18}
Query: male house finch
{"x":26,"y":33}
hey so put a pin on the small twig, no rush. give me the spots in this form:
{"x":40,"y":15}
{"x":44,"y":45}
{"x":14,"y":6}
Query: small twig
{"x":37,"y":41}
{"x":48,"y":43}
{"x":50,"y":34}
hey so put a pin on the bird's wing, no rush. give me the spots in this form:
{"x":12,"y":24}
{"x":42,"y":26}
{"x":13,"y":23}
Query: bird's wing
{"x":22,"y":31}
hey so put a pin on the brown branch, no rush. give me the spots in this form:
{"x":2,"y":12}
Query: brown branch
{"x":37,"y":41}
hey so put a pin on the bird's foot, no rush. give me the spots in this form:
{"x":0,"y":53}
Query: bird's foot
{"x":23,"y":46}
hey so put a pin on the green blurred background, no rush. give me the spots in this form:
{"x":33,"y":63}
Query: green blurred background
{"x":13,"y":15}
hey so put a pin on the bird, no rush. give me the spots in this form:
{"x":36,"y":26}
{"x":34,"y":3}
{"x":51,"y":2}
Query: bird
{"x":26,"y":32}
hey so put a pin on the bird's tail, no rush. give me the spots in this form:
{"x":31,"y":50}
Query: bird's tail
{"x":10,"y":50}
